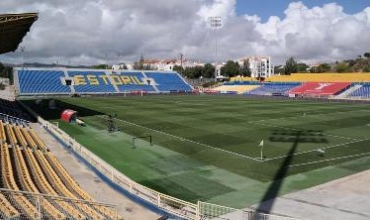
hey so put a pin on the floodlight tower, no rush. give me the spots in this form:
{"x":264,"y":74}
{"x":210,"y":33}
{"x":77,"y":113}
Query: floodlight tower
{"x":181,"y":72}
{"x":215,"y":23}
{"x":22,"y":50}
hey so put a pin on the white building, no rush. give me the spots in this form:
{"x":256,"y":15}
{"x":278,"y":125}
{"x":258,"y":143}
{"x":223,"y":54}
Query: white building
{"x":218,"y":67}
{"x":168,"y":64}
{"x":161,"y":64}
{"x":260,"y":66}
{"x":121,"y":66}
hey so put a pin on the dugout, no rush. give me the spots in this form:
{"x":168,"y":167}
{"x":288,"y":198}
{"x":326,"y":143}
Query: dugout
{"x":69,"y":115}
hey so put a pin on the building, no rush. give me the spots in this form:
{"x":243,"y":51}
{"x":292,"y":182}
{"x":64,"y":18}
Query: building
{"x":260,"y":66}
{"x":119,"y":66}
{"x":169,"y":64}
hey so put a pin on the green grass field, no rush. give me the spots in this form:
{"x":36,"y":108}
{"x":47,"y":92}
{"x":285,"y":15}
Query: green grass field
{"x":207,"y":147}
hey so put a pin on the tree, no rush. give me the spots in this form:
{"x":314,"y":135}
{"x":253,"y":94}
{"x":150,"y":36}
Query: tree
{"x":124,"y":66}
{"x":278,"y":69}
{"x":178,"y":69}
{"x":230,"y":69}
{"x":290,"y":66}
{"x":206,"y":71}
{"x":245,"y":69}
{"x":6,"y":72}
{"x":147,"y":67}
{"x":190,"y":72}
{"x":198,"y":71}
{"x":324,"y":67}
{"x":342,"y":68}
{"x":141,"y":62}
{"x":366,"y":69}
{"x":100,"y":66}
{"x":135,"y":66}
{"x":313,"y":69}
{"x":351,"y":63}
{"x":302,"y":67}
{"x":367,"y":55}
{"x":209,"y":71}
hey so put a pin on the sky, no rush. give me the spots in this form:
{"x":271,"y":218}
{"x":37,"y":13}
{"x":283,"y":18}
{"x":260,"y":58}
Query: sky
{"x":277,"y":7}
{"x":99,"y":31}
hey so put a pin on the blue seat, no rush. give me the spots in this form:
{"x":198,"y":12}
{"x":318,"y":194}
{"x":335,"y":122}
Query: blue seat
{"x":169,"y":81}
{"x":135,"y":82}
{"x":363,"y":92}
{"x":103,"y":84}
{"x":99,"y":81}
{"x":271,"y":88}
{"x":41,"y":81}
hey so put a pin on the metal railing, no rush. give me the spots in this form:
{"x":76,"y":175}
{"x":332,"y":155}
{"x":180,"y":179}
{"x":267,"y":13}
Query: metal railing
{"x":28,"y":205}
{"x":208,"y":211}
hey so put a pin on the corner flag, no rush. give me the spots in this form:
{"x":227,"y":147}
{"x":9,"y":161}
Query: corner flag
{"x":261,"y":144}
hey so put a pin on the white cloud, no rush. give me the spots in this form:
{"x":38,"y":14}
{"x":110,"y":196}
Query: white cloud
{"x":254,"y":18}
{"x":91,"y":31}
{"x":222,"y":8}
{"x":316,"y":34}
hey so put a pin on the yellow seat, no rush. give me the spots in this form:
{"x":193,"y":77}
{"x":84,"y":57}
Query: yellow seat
{"x":27,"y":182}
{"x":28,"y":138}
{"x":312,"y":77}
{"x":12,"y":138}
{"x":322,"y":77}
{"x":47,"y":188}
{"x":61,"y":187}
{"x":71,"y":182}
{"x":2,"y":132}
{"x":236,"y":88}
{"x":40,"y":144}
{"x":9,"y":182}
{"x":20,"y":139}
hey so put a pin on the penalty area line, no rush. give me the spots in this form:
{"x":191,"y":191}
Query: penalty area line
{"x":311,"y":114}
{"x":185,"y":139}
{"x":323,"y":148}
{"x":327,"y":160}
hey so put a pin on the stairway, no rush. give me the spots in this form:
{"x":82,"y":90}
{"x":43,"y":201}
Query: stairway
{"x":154,"y":85}
{"x":70,"y":86}
{"x":112,"y":81}
{"x":345,"y":94}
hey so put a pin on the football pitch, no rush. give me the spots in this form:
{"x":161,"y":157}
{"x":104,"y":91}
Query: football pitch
{"x":209,"y":147}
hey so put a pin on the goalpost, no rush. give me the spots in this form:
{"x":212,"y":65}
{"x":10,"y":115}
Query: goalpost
{"x":142,"y":137}
{"x":56,"y":124}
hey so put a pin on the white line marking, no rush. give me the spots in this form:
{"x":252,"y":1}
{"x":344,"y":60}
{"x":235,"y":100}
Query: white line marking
{"x":237,"y":154}
{"x":185,"y":139}
{"x":324,"y":148}
{"x":330,"y":159}
{"x":310,"y":114}
{"x":293,"y":129}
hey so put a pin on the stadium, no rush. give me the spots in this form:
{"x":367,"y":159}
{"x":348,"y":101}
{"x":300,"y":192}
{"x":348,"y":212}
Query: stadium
{"x":176,"y":150}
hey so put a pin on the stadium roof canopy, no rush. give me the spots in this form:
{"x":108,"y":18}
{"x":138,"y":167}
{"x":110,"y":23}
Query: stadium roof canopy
{"x":13,"y":27}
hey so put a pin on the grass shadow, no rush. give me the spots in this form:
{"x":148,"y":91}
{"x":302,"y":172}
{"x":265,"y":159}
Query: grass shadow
{"x":43,"y":109}
{"x":296,"y":137}
{"x":13,"y":109}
